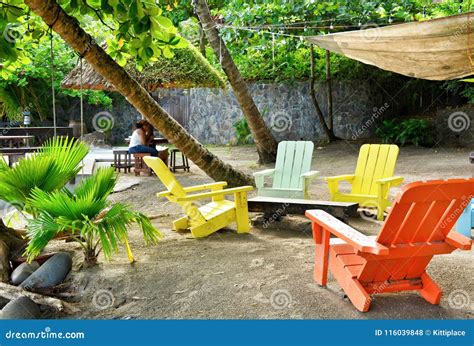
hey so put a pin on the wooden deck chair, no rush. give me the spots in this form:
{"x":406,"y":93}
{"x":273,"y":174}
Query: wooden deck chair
{"x":291,"y":175}
{"x":466,"y":221}
{"x":372,"y":179}
{"x":419,"y":226}
{"x":207,"y":219}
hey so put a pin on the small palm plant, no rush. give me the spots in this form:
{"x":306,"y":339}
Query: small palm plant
{"x":87,"y":216}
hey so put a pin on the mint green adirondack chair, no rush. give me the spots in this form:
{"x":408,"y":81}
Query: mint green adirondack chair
{"x":291,"y":175}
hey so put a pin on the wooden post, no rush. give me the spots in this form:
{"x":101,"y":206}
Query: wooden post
{"x":329,"y":89}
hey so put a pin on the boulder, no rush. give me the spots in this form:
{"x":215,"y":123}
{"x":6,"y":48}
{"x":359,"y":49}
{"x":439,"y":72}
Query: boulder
{"x":23,"y":271}
{"x":51,"y":273}
{"x":22,"y":308}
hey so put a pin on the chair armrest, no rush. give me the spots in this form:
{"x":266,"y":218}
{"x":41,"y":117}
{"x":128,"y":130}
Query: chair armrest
{"x":348,"y":178}
{"x":345,"y":232}
{"x":310,"y":175}
{"x":206,"y":195}
{"x":265,"y":173}
{"x":458,"y":240}
{"x":212,"y":186}
{"x":260,"y":177}
{"x":394,"y":181}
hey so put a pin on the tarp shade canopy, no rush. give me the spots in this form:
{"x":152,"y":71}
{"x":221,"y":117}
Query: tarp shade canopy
{"x":437,"y":49}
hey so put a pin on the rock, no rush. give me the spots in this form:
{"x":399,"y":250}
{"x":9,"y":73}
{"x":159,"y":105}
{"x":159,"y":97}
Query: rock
{"x":3,"y":302}
{"x":96,"y":139}
{"x":23,"y":271}
{"x":51,"y":273}
{"x":22,"y":308}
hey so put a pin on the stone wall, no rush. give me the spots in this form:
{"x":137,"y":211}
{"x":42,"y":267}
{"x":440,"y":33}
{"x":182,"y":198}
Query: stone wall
{"x":455,"y":126}
{"x":287,"y":109}
{"x":209,"y":114}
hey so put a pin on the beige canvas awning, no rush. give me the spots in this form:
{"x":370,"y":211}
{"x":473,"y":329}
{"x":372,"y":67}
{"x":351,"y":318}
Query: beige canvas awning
{"x":438,"y":49}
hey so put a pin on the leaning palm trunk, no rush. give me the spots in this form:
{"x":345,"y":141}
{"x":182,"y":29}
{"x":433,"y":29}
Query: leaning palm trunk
{"x":68,"y":28}
{"x":264,"y":140}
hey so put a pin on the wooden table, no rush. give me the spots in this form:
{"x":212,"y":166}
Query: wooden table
{"x":15,"y":140}
{"x":156,"y":140}
{"x":23,"y":150}
{"x":271,"y":205}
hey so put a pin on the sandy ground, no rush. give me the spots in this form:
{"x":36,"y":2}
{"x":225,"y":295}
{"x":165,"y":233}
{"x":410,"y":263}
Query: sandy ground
{"x":264,"y":274}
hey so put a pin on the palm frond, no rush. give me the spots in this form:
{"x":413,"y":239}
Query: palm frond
{"x":40,"y":232}
{"x":69,"y":152}
{"x":63,"y":204}
{"x":98,"y":186}
{"x":49,"y":170}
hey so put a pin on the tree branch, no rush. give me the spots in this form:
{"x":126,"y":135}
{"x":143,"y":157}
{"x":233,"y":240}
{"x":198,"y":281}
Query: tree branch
{"x":12,"y":292}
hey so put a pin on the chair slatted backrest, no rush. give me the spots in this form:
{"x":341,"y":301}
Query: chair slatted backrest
{"x":376,"y":161}
{"x":173,"y":186}
{"x":424,"y":212}
{"x":293,"y":160}
{"x":164,"y":174}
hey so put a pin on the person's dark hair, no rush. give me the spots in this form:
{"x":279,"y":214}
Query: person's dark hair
{"x":140,"y":124}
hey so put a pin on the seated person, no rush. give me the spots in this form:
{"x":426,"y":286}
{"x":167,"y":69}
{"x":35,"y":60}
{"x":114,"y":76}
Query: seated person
{"x":141,"y":140}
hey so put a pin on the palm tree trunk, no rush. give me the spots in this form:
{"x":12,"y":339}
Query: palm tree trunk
{"x":10,"y":246}
{"x":264,"y":140}
{"x":202,"y":40}
{"x":68,"y":28}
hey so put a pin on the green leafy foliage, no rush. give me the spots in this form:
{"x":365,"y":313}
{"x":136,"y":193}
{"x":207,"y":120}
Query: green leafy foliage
{"x":242,"y":132}
{"x":411,"y":131}
{"x":86,"y":215}
{"x":259,"y":56}
{"x":49,"y":170}
{"x":29,"y":84}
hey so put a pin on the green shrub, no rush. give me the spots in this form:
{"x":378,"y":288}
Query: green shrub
{"x":411,"y":131}
{"x":242,"y":131}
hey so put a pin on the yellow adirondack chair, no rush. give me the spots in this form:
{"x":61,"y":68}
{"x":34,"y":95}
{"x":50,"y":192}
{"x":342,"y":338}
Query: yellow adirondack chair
{"x":207,"y":219}
{"x":372,"y":180}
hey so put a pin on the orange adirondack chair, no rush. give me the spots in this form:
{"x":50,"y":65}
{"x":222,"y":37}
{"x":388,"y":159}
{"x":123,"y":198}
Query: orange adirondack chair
{"x":419,"y":226}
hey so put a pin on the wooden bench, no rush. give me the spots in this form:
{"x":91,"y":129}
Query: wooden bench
{"x":22,"y":150}
{"x":13,"y":158}
{"x":122,"y":160}
{"x":140,"y":165}
{"x":271,"y":205}
{"x":184,"y":161}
